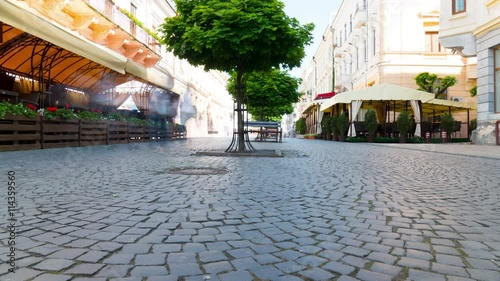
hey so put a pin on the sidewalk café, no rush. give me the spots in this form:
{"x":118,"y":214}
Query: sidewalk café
{"x":57,"y":61}
{"x":388,"y":100}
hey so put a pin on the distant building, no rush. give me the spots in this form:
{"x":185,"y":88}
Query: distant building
{"x":472,"y":28}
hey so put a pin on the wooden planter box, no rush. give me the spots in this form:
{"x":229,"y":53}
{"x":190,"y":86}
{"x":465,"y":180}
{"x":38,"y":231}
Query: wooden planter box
{"x":135,"y":133}
{"x":93,"y":133}
{"x":162,"y":134}
{"x":117,"y":132}
{"x":150,"y":133}
{"x":60,"y":133}
{"x":19,"y":133}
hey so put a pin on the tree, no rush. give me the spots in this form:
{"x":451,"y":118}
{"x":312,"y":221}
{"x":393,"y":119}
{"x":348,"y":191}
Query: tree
{"x":236,"y":35}
{"x":270,"y":94}
{"x":432,"y":84}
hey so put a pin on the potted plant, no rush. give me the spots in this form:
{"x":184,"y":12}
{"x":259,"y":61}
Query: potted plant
{"x":300,"y":126}
{"x":325,"y":127}
{"x":404,"y":124}
{"x":342,"y":125}
{"x":333,"y":127}
{"x":371,"y":124}
{"x":447,"y":125}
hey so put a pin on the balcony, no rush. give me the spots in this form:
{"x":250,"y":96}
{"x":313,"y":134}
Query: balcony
{"x":101,"y":22}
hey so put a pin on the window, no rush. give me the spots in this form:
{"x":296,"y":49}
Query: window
{"x":458,"y":6}
{"x":133,"y":11}
{"x":345,"y":29}
{"x":497,"y":79}
{"x":350,"y":23}
{"x":374,"y":42}
{"x":432,"y":42}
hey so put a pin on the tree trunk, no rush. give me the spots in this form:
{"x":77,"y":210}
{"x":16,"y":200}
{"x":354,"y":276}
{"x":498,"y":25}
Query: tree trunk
{"x":239,"y":113}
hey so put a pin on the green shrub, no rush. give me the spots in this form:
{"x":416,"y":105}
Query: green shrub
{"x":371,"y":121}
{"x":300,"y":126}
{"x":89,"y":116}
{"x":16,"y":109}
{"x":115,"y":116}
{"x":447,"y":123}
{"x":403,"y":122}
{"x":342,"y":124}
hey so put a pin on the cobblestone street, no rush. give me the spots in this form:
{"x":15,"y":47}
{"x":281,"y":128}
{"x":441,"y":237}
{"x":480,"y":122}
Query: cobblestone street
{"x":324,"y":211}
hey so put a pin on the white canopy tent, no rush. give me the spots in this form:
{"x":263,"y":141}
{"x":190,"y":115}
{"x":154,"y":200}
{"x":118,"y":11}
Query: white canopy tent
{"x":420,"y":102}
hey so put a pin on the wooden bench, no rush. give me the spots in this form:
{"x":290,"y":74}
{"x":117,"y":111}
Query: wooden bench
{"x":264,"y":130}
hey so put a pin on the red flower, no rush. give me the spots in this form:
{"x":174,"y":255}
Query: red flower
{"x":52,"y":109}
{"x":99,"y":110}
{"x":67,"y":105}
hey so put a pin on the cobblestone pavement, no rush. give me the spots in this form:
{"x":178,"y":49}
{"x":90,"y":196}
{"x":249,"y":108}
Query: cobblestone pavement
{"x":325,"y":211}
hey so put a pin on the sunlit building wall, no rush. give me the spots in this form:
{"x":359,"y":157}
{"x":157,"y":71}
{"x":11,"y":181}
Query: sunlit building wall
{"x":472,"y":28}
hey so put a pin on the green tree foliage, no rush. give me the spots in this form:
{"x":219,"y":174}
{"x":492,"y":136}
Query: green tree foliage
{"x":236,"y":35}
{"x":301,"y":126}
{"x":430,"y":83}
{"x":270,"y":94}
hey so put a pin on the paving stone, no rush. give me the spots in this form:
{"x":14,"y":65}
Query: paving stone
{"x":92,"y":256}
{"x":449,"y":270}
{"x":241,"y":253}
{"x":218,"y":246}
{"x":242,"y":275}
{"x":54,"y":264}
{"x":446,"y":250}
{"x":317,"y":274}
{"x":421,"y":255}
{"x":381,"y":257}
{"x":147,"y":271}
{"x":354,"y":261}
{"x":245,"y":263}
{"x":414,"y":263}
{"x":311,"y":261}
{"x":106,"y":246}
{"x":266,"y":259}
{"x":52,"y":277}
{"x":359,"y":252}
{"x":22,"y":274}
{"x":423,"y":275}
{"x":339,"y":268}
{"x":85,"y":269}
{"x":114,"y":271}
{"x":479,"y":254}
{"x":367,"y":275}
{"x":136,"y":248}
{"x":449,"y":260}
{"x":289,"y":267}
{"x":386,"y":269}
{"x":176,"y":258}
{"x":486,"y":275}
{"x":217,"y":267}
{"x":150,"y":259}
{"x":266,"y":272}
{"x":289,"y":255}
{"x":482,"y":264}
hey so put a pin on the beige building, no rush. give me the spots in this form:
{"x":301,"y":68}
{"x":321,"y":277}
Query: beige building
{"x":472,"y":28}
{"x":386,"y":41}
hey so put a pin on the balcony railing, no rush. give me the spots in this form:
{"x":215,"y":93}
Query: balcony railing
{"x":111,"y":11}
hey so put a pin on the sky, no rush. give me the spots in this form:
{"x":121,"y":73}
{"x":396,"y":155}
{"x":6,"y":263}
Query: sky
{"x":317,"y":12}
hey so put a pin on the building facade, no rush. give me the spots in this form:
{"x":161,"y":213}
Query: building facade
{"x":107,"y":51}
{"x":386,"y":41}
{"x":472,"y":28}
